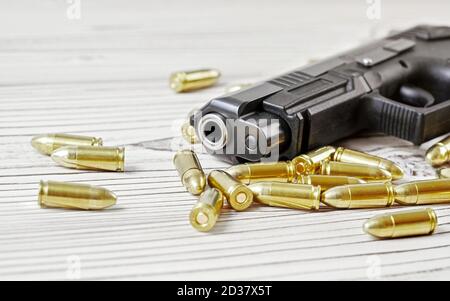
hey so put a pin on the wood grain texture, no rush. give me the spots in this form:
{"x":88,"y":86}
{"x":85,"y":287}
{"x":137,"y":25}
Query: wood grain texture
{"x":106,"y":75}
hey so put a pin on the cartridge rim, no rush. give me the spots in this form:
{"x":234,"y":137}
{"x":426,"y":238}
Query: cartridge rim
{"x":121,"y":157}
{"x":433,"y":219}
{"x":303,"y":165}
{"x":325,"y":168}
{"x":43,"y":190}
{"x":391,"y":193}
{"x":316,"y":193}
{"x":338,"y":154}
{"x":206,"y":210}
{"x":235,"y":198}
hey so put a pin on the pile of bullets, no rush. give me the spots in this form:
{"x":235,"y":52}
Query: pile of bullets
{"x":336,"y":177}
{"x":79,"y":152}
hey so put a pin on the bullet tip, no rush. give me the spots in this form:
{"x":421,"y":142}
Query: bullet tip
{"x":110,"y":199}
{"x":436,"y":155}
{"x":337,"y":197}
{"x":62,"y":157}
{"x":406,"y":194}
{"x":42,"y":144}
{"x":367,"y":227}
{"x":373,"y":227}
{"x":195,"y":182}
{"x":396,"y":172}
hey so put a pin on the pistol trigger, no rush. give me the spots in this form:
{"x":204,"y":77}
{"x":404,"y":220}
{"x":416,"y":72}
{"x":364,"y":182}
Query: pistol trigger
{"x":415,"y":96}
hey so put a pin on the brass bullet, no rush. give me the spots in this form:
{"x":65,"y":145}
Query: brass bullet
{"x":90,"y":157}
{"x":287,"y":195}
{"x":74,"y":196}
{"x":444,"y":173}
{"x":188,"y":133}
{"x":239,"y":196}
{"x":263,"y":172}
{"x":369,"y":195}
{"x":46,"y":144}
{"x":190,"y":171}
{"x":366,"y":172}
{"x":310,"y":163}
{"x":352,"y":156}
{"x":185,"y":81}
{"x":327,"y":182}
{"x":402,"y":224}
{"x":423,"y":192}
{"x":439,"y":153}
{"x":206,"y":211}
{"x":235,"y":88}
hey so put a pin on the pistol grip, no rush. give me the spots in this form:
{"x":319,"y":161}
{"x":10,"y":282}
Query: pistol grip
{"x":393,"y":118}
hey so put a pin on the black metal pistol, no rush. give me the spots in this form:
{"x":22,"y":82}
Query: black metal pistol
{"x":399,"y":85}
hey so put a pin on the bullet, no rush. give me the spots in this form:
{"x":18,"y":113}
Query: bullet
{"x":206,"y":211}
{"x":239,"y":196}
{"x":235,"y":88}
{"x":287,"y":195}
{"x":366,"y":172}
{"x":423,"y":192}
{"x":310,"y":163}
{"x":185,"y":81}
{"x":46,"y":144}
{"x":90,"y":157}
{"x":190,"y":171}
{"x":74,"y":196}
{"x":369,"y":195}
{"x":439,"y":153}
{"x":402,"y":224}
{"x":327,"y":182}
{"x":444,"y":173}
{"x":188,"y":133}
{"x":263,"y":172}
{"x":351,"y":156}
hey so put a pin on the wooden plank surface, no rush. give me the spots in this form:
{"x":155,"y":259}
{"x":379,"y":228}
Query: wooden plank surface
{"x":105,"y":74}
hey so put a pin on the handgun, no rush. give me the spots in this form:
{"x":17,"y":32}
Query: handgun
{"x":398,"y":85}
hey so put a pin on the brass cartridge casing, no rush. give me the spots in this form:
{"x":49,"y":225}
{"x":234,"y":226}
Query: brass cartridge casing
{"x":369,"y":195}
{"x":327,"y":182}
{"x":310,"y":163}
{"x":352,"y":156}
{"x":439,"y":153}
{"x":188,"y":133}
{"x":185,"y":81}
{"x":423,"y":192}
{"x":402,"y":224}
{"x":444,"y":173}
{"x":206,"y":211}
{"x":91,"y":157}
{"x":74,"y":196}
{"x":288,"y":195}
{"x":46,"y":144}
{"x":263,"y":172}
{"x":190,"y":171}
{"x":366,"y":172}
{"x":239,"y":196}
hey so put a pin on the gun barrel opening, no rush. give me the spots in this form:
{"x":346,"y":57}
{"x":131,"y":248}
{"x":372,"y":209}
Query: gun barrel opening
{"x":212,"y":131}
